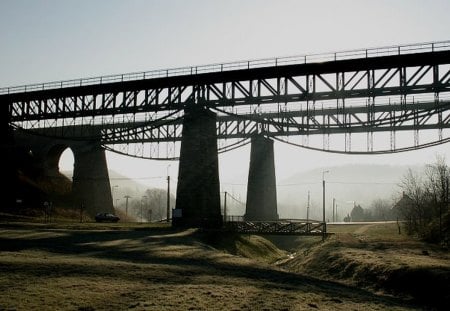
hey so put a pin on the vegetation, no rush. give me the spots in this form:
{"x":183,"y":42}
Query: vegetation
{"x":118,"y":267}
{"x":425,"y":206}
{"x":376,"y":257}
{"x":249,"y":246}
{"x":144,"y":205}
{"x":379,"y":210}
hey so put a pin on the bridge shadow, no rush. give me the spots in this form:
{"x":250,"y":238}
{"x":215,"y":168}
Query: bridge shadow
{"x":185,"y":259}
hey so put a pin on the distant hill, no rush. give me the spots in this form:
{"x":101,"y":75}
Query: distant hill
{"x":125,"y":185}
{"x":361,"y":184}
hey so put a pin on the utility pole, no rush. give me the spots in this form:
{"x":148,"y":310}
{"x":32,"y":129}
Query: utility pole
{"x":168,"y":195}
{"x":323,"y":205}
{"x":334,"y":214}
{"x":126,"y":204}
{"x":225,"y":207}
{"x":307,"y":208}
{"x":168,"y":198}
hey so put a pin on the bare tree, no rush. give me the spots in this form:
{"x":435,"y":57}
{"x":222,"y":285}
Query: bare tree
{"x":427,"y":194}
{"x":437,"y":189}
{"x":381,"y":210}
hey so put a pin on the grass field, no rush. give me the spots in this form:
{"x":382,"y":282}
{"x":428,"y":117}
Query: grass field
{"x":142,"y":267}
{"x":377,"y":257}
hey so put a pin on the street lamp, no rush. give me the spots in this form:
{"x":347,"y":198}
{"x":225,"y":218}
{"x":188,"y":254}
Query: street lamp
{"x":307,"y":208}
{"x":168,"y":194}
{"x":323,"y":200}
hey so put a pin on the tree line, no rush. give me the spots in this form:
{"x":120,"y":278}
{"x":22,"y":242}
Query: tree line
{"x":423,"y":207}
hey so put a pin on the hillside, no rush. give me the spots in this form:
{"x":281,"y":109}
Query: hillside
{"x":376,"y":257}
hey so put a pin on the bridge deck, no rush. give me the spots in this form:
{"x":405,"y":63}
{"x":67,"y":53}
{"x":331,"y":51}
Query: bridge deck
{"x":372,"y":92}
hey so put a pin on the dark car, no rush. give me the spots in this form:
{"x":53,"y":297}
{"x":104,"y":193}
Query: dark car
{"x":106,"y":217}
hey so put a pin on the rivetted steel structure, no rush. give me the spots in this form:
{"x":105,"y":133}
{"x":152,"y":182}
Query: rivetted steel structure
{"x":391,"y":89}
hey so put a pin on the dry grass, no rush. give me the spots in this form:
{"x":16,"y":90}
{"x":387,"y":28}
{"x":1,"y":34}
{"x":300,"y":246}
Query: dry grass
{"x":375,"y":256}
{"x":144,"y":268}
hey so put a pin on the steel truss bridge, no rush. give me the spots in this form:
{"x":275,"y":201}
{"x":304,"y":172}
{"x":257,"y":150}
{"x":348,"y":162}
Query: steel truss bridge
{"x":279,"y":227}
{"x":369,"y":95}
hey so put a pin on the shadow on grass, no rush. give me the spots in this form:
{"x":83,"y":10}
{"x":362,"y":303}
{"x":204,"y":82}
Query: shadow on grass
{"x":197,"y":264}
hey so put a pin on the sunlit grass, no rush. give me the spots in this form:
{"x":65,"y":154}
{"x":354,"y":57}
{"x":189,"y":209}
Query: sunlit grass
{"x":375,"y":255}
{"x":151,"y":267}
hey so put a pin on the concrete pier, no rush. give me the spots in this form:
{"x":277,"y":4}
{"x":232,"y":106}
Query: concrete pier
{"x":9,"y":165}
{"x":198,"y":189}
{"x":261,"y":187}
{"x":91,"y":186}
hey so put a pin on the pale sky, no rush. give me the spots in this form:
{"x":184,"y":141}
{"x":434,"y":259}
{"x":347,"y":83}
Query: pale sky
{"x":51,"y":40}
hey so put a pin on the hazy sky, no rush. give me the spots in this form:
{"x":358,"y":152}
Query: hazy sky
{"x":52,"y":40}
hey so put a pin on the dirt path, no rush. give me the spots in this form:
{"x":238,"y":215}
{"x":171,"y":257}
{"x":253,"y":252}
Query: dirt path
{"x":364,"y":228}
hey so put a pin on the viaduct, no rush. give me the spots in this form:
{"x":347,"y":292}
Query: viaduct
{"x":364,"y":92}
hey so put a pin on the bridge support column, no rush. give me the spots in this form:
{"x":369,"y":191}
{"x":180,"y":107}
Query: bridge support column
{"x":261,"y":188}
{"x":198,"y":189}
{"x":9,"y":164}
{"x":91,"y":187}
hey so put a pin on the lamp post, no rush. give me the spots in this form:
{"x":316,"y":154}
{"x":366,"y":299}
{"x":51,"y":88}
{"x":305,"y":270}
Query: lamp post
{"x":323,"y":205}
{"x":307,"y":208}
{"x":168,"y":194}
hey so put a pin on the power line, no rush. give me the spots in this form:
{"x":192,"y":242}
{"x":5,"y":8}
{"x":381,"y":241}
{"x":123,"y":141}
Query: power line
{"x":238,"y":201}
{"x":319,"y":182}
{"x":361,"y":182}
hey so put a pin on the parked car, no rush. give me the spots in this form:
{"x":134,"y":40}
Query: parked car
{"x":106,"y":217}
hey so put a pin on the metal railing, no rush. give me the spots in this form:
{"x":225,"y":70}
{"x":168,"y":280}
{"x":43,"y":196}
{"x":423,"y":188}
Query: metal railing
{"x":278,"y":227}
{"x":239,"y":65}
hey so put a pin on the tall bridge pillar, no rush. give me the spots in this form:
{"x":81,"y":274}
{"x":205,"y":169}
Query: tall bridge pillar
{"x":198,"y":189}
{"x":261,"y":188}
{"x":8,"y":166}
{"x":91,"y":186}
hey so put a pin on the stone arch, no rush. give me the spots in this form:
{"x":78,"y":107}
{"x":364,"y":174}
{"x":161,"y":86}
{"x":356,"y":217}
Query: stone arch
{"x":90,"y":186}
{"x":56,"y":183}
{"x":53,"y":158}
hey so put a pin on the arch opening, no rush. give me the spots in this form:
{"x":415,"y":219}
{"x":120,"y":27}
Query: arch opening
{"x":66,"y":162}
